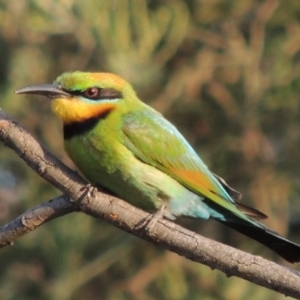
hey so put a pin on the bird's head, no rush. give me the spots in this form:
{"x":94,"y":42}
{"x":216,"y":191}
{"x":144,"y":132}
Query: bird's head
{"x":79,"y":96}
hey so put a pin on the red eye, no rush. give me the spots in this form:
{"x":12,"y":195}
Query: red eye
{"x":92,"y":92}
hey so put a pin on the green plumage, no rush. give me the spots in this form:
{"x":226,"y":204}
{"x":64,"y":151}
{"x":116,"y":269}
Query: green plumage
{"x":122,"y":144}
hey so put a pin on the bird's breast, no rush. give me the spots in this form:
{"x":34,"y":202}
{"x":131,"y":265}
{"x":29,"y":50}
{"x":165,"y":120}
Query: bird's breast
{"x":108,"y":163}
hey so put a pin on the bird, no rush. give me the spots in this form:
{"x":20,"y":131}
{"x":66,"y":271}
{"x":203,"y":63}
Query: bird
{"x":120,"y":143}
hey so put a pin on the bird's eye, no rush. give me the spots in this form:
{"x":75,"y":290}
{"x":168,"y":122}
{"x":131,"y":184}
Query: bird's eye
{"x":92,"y":93}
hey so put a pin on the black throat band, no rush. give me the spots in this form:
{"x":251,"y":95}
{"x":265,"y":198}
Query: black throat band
{"x":79,"y":128}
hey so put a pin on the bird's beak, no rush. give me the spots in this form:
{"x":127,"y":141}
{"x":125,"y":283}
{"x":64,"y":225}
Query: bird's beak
{"x":48,"y":90}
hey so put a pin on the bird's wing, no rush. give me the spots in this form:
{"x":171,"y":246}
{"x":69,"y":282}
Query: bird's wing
{"x":237,"y":196}
{"x":157,"y":142}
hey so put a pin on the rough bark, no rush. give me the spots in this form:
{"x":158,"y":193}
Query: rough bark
{"x":80,"y":197}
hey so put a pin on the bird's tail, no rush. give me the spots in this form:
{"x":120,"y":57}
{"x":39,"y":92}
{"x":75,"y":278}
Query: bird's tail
{"x":285,"y":248}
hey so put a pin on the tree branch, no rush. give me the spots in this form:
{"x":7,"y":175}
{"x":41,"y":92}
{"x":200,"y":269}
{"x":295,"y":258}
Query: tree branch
{"x":76,"y":197}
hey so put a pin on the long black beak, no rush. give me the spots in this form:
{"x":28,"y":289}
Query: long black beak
{"x":48,"y":90}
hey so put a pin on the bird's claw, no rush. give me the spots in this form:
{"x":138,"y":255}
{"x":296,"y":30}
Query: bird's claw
{"x":89,"y":191}
{"x":149,"y":222}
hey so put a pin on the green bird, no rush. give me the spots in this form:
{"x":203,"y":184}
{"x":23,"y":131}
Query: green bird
{"x":120,"y":143}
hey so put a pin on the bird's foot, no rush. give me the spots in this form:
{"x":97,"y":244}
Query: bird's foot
{"x":148,"y":223}
{"x":89,"y":191}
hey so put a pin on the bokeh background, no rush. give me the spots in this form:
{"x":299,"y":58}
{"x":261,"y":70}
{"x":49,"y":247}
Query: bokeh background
{"x":226,"y":73}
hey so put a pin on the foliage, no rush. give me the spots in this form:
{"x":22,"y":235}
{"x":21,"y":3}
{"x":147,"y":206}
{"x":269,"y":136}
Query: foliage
{"x":225,"y":72}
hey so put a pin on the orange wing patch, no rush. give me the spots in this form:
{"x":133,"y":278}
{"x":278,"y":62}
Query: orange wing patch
{"x":195,"y":180}
{"x":200,"y":183}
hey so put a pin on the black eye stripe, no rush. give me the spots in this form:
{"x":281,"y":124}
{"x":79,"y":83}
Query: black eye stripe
{"x":105,"y":93}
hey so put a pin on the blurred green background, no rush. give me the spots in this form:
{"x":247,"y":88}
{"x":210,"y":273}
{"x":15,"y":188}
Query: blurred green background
{"x":226,"y":73}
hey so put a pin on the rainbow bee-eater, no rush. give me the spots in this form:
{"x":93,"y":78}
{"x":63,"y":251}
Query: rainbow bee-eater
{"x":125,"y":146}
